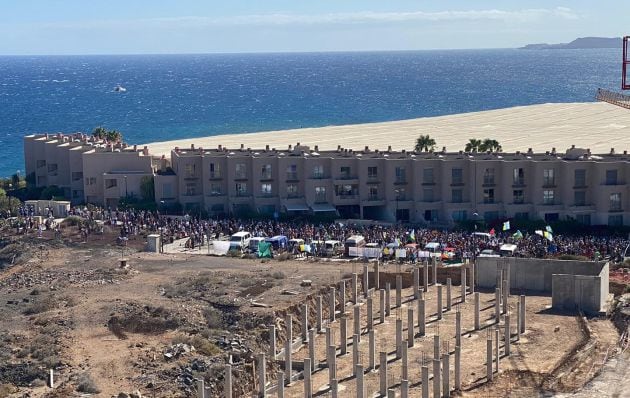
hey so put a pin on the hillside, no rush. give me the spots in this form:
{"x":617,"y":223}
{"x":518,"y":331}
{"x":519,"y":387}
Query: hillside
{"x":580,"y":43}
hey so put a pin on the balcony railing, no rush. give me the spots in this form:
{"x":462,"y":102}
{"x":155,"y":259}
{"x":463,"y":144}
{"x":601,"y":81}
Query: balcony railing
{"x":346,"y":177}
{"x":292,"y":177}
{"x":215,"y":175}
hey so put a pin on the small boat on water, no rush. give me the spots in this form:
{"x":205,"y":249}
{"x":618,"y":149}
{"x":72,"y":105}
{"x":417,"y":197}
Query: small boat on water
{"x":120,"y":89}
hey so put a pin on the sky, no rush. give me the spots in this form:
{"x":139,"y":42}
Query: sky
{"x":213,"y":26}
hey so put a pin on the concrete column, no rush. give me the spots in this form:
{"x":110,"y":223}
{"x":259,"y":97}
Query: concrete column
{"x":342,"y":296}
{"x":272,"y":341}
{"x":410,"y":331}
{"x":425,"y":276}
{"x":399,"y":337}
{"x":391,"y":393}
{"x":377,"y":275}
{"x":458,"y":369}
{"x":398,"y":291}
{"x":308,"y":384}
{"x":446,"y":376}
{"x":334,"y":388}
{"x":355,"y":352}
{"x":262,"y":375}
{"x":311,"y":348}
{"x":288,"y":360}
{"x":281,"y":383}
{"x":370,"y":313}
{"x":440,"y":307}
{"x":318,"y":320}
{"x":382,"y":371}
{"x":343,"y":335}
{"x":304,"y":315}
{"x":360,"y":383}
{"x":522,"y":309}
{"x":227,"y":388}
{"x":357,"y":321}
{"x":371,"y":350}
{"x":449,"y":285}
{"x":416,"y":282}
{"x":518,"y":318}
{"x":388,"y":299}
{"x":435,"y":270}
{"x":458,"y":328}
{"x":436,"y":378}
{"x":472,"y":277}
{"x":477,"y":309}
{"x":228,"y":382}
{"x":366,"y":286}
{"x":507,"y":334}
{"x":332,"y":304}
{"x":496,"y":349}
{"x":332,"y":363}
{"x":422,"y":317}
{"x":355,"y":287}
{"x":328,"y":336}
{"x":381,"y":302}
{"x":51,"y":378}
{"x":497,"y":305}
{"x":425,"y":381}
{"x":463,"y":284}
{"x":404,"y":366}
{"x":404,"y":388}
{"x":506,"y":293}
{"x":436,"y":346}
{"x":489,"y":359}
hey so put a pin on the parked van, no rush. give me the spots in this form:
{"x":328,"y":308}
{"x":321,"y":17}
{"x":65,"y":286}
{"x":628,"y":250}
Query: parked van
{"x":353,"y":241}
{"x":253,"y":243}
{"x":240,"y":240}
{"x":507,"y":250}
{"x":332,"y":248}
{"x":278,"y":242}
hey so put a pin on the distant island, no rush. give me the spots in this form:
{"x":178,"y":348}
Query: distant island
{"x":580,"y":43}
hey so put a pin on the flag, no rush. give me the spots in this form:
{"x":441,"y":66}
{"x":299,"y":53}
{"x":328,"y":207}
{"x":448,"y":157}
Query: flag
{"x":539,"y":232}
{"x":506,"y":226}
{"x":518,"y":235}
{"x":548,"y":228}
{"x":548,"y":235}
{"x":492,"y":232}
{"x":412,"y":235}
{"x":264,"y":249}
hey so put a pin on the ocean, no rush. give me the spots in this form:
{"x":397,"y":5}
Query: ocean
{"x":184,"y":96}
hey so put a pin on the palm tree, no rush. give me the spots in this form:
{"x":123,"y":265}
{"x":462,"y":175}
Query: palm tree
{"x":473,"y":145}
{"x":491,"y":145}
{"x":99,"y":132}
{"x":425,"y":143}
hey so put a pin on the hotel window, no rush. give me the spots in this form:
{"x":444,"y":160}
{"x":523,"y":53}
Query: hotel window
{"x":548,"y":178}
{"x":240,"y":171}
{"x":191,"y":189}
{"x":77,"y":176}
{"x":460,"y":215}
{"x":615,"y":201}
{"x":292,"y":190}
{"x":346,"y":190}
{"x":215,"y":170}
{"x":518,"y":176}
{"x":401,"y":174}
{"x":457,"y":176}
{"x":611,"y":177}
{"x":488,"y":195}
{"x":292,"y":172}
{"x":427,"y":176}
{"x":518,"y":196}
{"x":111,"y":183}
{"x":241,"y":189}
{"x":372,"y":172}
{"x":615,"y":221}
{"x":457,"y":196}
{"x":190,"y":170}
{"x":265,"y":173}
{"x":373,"y":193}
{"x":90,"y":180}
{"x":215,"y":190}
{"x":344,"y":172}
{"x":583,"y":219}
{"x":579,"y":198}
{"x":427,"y":195}
{"x":41,"y":163}
{"x":318,"y":171}
{"x":548,"y":196}
{"x":580,"y":178}
{"x":488,"y":176}
{"x":266,"y":189}
{"x":320,"y":194}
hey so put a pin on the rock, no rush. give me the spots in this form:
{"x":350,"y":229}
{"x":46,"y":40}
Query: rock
{"x":135,"y":394}
{"x":306,"y":283}
{"x":556,"y":329}
{"x":122,"y":395}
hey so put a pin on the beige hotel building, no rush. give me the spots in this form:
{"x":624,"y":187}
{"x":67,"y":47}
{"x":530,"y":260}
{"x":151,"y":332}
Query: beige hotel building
{"x":434,"y":188}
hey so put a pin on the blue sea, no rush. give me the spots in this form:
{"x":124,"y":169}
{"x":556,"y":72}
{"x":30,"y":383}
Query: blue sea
{"x":180,"y":96}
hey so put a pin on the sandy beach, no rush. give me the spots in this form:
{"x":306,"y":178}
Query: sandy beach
{"x":598,"y":126}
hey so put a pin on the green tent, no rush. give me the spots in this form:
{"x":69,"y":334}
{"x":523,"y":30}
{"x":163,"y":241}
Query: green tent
{"x":264,"y":249}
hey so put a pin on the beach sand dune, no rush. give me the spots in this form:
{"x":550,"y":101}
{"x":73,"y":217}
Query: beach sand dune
{"x":598,"y":126}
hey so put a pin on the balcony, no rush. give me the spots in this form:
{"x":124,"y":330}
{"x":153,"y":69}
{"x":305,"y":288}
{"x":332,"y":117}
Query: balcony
{"x":216,"y":194}
{"x":457,"y":184}
{"x":266,"y":195}
{"x":241,"y":194}
{"x":373,"y":200}
{"x":400,"y":181}
{"x":346,"y":199}
{"x":292,"y":177}
{"x":319,"y":177}
{"x":215,"y":176}
{"x":346,"y":179}
{"x":240,"y":177}
{"x":518,"y":183}
{"x":373,"y":179}
{"x":266,"y":178}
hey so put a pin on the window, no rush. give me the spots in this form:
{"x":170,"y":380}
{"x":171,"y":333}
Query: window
{"x":457,"y":176}
{"x":240,"y":171}
{"x":41,"y":163}
{"x":167,"y":190}
{"x":488,"y":176}
{"x":76,"y":194}
{"x":191,"y":189}
{"x":518,"y":196}
{"x":292,"y":190}
{"x":320,"y":194}
{"x":457,"y":196}
{"x":346,"y":190}
{"x":265,"y":173}
{"x":90,"y":180}
{"x":373,"y":193}
{"x":215,"y":190}
{"x":615,"y":201}
{"x":345,"y":172}
{"x":318,"y":171}
{"x":427,"y":176}
{"x":580,"y":178}
{"x":430,"y":215}
{"x":548,"y":196}
{"x":265,"y":189}
{"x":52,"y":168}
{"x":111,"y":183}
{"x":615,"y":221}
{"x":292,"y":172}
{"x":372,"y":172}
{"x":488,"y":195}
{"x":241,"y":189}
{"x":519,"y":176}
{"x":579,"y":198}
{"x":523,"y":215}
{"x":215,"y":170}
{"x":583,"y":219}
{"x":400,"y":193}
{"x":427,"y":195}
{"x":460,"y":215}
{"x":401,"y":174}
{"x":190,"y":170}
{"x":548,"y":178}
{"x":611,"y":177}
{"x":77,"y":176}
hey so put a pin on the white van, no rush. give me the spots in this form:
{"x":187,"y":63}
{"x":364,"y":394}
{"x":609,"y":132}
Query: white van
{"x":507,"y":250}
{"x":253,"y":243}
{"x":357,"y":241}
{"x":240,"y":240}
{"x":333,"y":247}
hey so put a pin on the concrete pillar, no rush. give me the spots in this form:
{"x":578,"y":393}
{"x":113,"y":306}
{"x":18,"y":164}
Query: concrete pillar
{"x":477,"y":309}
{"x":311,"y":348}
{"x":343,"y":335}
{"x":308,"y":384}
{"x":360,"y":383}
{"x":463,"y":284}
{"x":422,"y":317}
{"x":272,"y":342}
{"x":497,"y":305}
{"x":425,"y":276}
{"x":404,"y":388}
{"x":458,"y":369}
{"x":304,"y":315}
{"x":522,"y":309}
{"x":472,"y":277}
{"x":416,"y":282}
{"x":518,"y":318}
{"x":51,"y":378}
{"x":391,"y":393}
{"x":424,"y":370}
{"x":288,"y":360}
{"x":399,"y":337}
{"x":370,"y":313}
{"x":398,"y":291}
{"x":506,"y":293}
{"x":342,"y":296}
{"x":436,"y":346}
{"x":366,"y":286}
{"x":449,"y":285}
{"x":334,"y":388}
{"x":262,"y":375}
{"x":328,"y":336}
{"x":318,"y":320}
{"x":382,"y":371}
{"x":410,"y":330}
{"x":446,"y":376}
{"x":436,"y":378}
{"x":435,"y":270}
{"x":381,"y":302}
{"x":388,"y":299}
{"x":332,"y":304}
{"x":377,"y":275}
{"x":507,"y":334}
{"x":458,"y":328}
{"x":496,"y":349}
{"x":371,"y":350}
{"x":439,"y":302}
{"x":228,"y":382}
{"x":357,"y":321}
{"x":404,"y":366}
{"x":355,"y":351}
{"x":355,"y":287}
{"x":201,"y":389}
{"x":332,"y":363}
{"x":489,"y":358}
{"x":281,"y":383}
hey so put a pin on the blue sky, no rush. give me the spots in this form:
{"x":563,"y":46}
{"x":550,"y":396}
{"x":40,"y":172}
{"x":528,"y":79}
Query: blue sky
{"x":206,"y":26}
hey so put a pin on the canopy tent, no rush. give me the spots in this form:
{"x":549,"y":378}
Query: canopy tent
{"x":296,"y":207}
{"x":317,"y":208}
